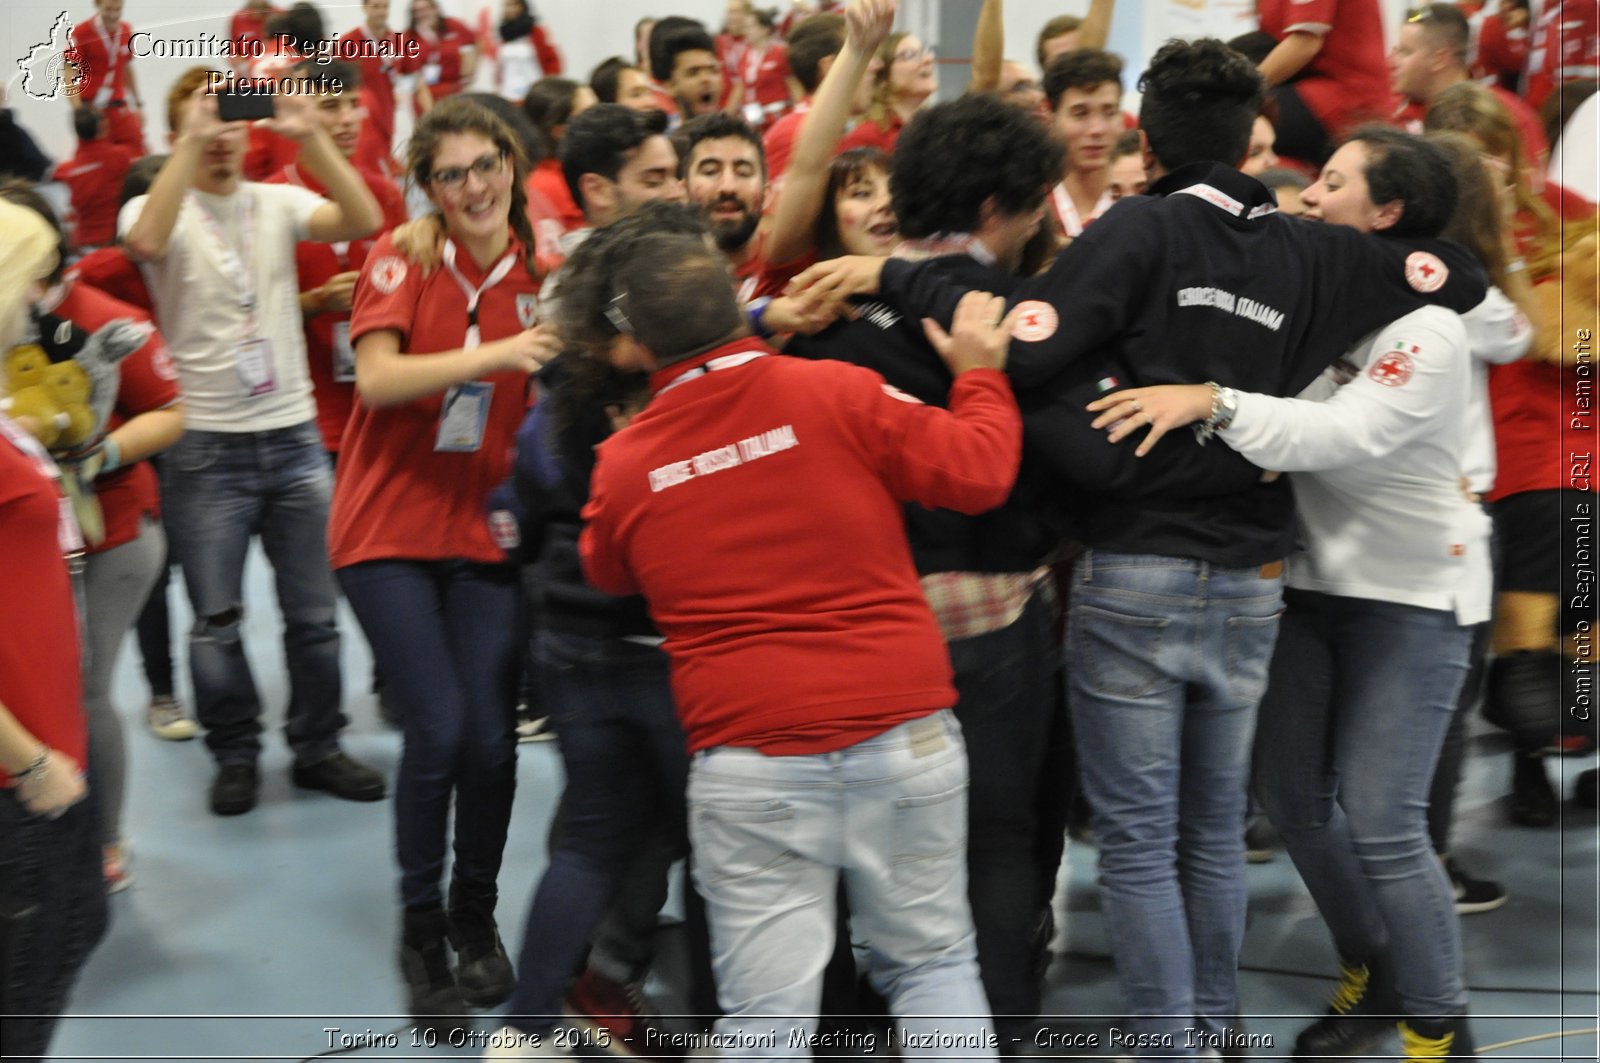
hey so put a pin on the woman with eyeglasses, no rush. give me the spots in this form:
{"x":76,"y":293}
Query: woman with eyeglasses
{"x":904,"y":82}
{"x":442,"y":374}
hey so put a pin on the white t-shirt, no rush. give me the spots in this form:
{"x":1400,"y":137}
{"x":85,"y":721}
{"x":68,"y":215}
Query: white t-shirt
{"x":199,"y":306}
{"x":518,"y":69}
{"x":1375,"y":444}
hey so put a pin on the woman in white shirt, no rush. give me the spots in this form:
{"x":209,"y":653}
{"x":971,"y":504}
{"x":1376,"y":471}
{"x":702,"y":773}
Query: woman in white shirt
{"x":1391,"y":574}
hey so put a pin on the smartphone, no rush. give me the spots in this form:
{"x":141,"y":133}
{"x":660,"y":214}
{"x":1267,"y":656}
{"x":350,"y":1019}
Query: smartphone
{"x":245,"y":106}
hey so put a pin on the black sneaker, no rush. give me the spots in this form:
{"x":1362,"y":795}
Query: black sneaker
{"x":342,"y":777}
{"x":1473,"y":895}
{"x":233,"y":791}
{"x":1423,"y":1040}
{"x":483,"y":970}
{"x":1360,"y":1015}
{"x":1533,"y":799}
{"x":431,"y":995}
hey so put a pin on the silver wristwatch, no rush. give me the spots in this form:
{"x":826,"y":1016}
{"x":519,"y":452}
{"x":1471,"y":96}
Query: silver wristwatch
{"x":1224,"y":406}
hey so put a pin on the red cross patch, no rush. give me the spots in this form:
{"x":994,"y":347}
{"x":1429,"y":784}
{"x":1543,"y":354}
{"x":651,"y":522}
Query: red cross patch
{"x":1035,"y":321}
{"x":1393,"y":369}
{"x":388,"y":273}
{"x":1425,"y":272}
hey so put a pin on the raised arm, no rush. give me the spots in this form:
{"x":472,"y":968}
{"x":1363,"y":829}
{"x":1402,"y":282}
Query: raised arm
{"x":988,"y":47}
{"x":1095,"y":29}
{"x":353,"y":211}
{"x":805,"y":182}
{"x":146,"y":239}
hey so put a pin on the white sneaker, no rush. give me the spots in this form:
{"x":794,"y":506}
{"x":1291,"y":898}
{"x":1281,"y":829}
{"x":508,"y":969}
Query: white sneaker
{"x":167,"y":720}
{"x":508,"y":1042}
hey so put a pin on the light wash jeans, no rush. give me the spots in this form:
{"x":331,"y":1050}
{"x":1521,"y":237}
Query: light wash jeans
{"x":222,"y":489}
{"x":1360,"y":696}
{"x":772,"y":837}
{"x":1166,"y":660}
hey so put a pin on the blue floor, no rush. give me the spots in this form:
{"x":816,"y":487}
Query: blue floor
{"x":270,"y":936}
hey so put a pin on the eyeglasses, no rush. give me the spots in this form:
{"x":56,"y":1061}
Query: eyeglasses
{"x":454,"y":179}
{"x":911,"y":55}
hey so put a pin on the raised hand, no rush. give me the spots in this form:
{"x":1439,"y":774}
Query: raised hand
{"x":869,"y":22}
{"x":979,"y":336}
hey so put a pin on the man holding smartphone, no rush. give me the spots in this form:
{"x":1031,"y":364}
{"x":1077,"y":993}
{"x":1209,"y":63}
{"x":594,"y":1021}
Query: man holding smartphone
{"x":219,"y":253}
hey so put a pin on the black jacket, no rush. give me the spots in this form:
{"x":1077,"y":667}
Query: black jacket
{"x":19,"y":155}
{"x":550,"y":480}
{"x":1202,"y":280}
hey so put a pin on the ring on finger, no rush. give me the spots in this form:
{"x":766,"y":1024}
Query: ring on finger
{"x":1136,"y":406}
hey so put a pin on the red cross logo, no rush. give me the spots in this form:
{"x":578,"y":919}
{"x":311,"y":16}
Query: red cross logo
{"x":1393,"y":369}
{"x":387,"y":273}
{"x":1425,"y":272}
{"x":1035,"y":321}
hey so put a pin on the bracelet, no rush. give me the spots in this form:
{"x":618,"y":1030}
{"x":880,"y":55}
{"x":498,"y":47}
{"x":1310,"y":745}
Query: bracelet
{"x":35,"y":770}
{"x":111,"y":454}
{"x":1516,"y":265}
{"x":757,"y":309}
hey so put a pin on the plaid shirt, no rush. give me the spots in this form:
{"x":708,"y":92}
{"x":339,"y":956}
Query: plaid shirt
{"x":975,"y":603}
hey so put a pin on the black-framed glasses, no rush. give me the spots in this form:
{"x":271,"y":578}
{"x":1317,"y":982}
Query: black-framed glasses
{"x":454,"y":178}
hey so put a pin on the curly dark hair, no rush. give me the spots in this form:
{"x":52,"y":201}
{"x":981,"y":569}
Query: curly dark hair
{"x":1405,"y":168}
{"x":956,"y":156}
{"x":1081,"y":68}
{"x":1200,"y":102}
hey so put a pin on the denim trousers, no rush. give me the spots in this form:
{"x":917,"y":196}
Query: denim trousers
{"x":446,"y":636}
{"x":1166,"y":660}
{"x":1360,"y":695}
{"x":773,"y":836}
{"x":1006,"y":681}
{"x":626,"y":771}
{"x":221,"y":489}
{"x":52,"y":914}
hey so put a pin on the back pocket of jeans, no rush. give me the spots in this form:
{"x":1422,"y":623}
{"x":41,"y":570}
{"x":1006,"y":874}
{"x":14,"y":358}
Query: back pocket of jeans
{"x":1249,"y":641}
{"x":743,"y":846}
{"x":1116,"y":653}
{"x":930,"y":839}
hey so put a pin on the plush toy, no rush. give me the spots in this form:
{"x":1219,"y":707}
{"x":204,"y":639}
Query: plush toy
{"x":69,"y":403}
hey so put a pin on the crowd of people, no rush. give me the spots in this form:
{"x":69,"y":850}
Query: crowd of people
{"x":803,"y":456}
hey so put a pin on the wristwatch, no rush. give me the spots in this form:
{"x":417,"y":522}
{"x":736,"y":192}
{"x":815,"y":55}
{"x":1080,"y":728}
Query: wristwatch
{"x":1224,"y":407}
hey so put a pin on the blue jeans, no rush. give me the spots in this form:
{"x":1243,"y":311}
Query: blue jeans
{"x":221,"y":489}
{"x":1166,"y":660}
{"x":446,"y":637}
{"x":626,"y":769}
{"x":772,"y":837}
{"x":1360,"y":697}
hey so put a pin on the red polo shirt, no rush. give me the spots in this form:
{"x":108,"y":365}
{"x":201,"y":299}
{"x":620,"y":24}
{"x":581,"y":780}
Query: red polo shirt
{"x":105,"y":60}
{"x":1348,"y":81}
{"x":94,"y":176}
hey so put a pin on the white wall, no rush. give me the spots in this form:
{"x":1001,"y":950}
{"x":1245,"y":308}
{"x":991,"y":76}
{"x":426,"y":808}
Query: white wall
{"x":587,"y":31}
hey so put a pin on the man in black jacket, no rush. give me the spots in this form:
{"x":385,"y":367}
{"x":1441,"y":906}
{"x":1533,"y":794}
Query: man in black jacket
{"x":1174,"y":606}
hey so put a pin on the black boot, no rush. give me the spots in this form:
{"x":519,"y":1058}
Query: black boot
{"x":483,"y":970}
{"x":1533,"y":799}
{"x":1422,"y":1040}
{"x":1360,"y":1015}
{"x":431,"y":992}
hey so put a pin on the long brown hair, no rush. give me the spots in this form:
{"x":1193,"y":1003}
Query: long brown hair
{"x":455,"y":115}
{"x":878,"y":111}
{"x":1473,"y":110}
{"x":1476,"y":223}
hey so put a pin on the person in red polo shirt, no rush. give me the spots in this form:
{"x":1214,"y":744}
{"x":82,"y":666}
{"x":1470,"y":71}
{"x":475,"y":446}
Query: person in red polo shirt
{"x":441,"y":52}
{"x":247,"y":29}
{"x":328,"y":272}
{"x":759,"y":70}
{"x":105,"y":63}
{"x":1430,"y":55}
{"x":379,"y":52}
{"x":1327,"y":71}
{"x":442,"y":373}
{"x":807,"y":668}
{"x":94,"y":178}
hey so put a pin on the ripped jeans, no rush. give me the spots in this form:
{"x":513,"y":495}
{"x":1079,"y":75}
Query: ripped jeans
{"x":223,"y":488}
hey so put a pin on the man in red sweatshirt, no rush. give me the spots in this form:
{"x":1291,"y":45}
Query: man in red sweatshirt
{"x":755,"y":503}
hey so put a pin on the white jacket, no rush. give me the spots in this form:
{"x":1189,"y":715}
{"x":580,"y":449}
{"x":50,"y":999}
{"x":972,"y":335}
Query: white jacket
{"x":1376,"y":444}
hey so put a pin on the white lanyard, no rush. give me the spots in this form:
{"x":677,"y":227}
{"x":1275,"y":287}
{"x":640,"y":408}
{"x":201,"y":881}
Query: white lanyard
{"x":1071,"y":224}
{"x":752,"y":65}
{"x":69,"y":538}
{"x":496,"y":275}
{"x":113,"y":46}
{"x":385,"y":63}
{"x":239,"y":265}
{"x":726,"y":361}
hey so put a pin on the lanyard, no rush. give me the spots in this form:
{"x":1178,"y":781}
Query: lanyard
{"x":752,"y":66}
{"x":113,"y":46}
{"x":385,"y":62}
{"x":496,"y":275}
{"x":69,"y":538}
{"x":727,"y":361}
{"x":238,"y":266}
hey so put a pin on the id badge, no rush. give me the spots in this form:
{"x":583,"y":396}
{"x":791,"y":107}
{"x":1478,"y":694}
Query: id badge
{"x":463,"y":417}
{"x":430,"y":73}
{"x":257,"y":371}
{"x":344,"y":355}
